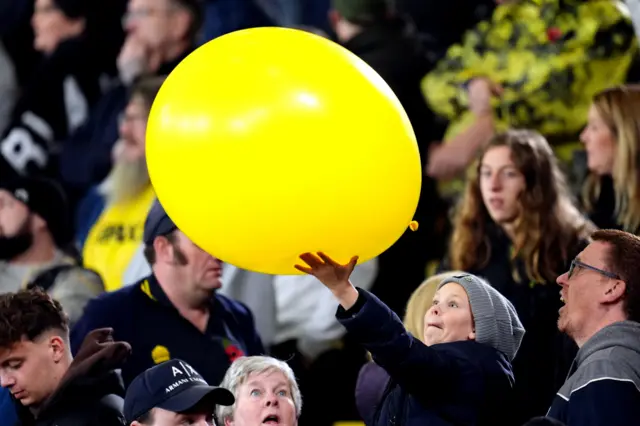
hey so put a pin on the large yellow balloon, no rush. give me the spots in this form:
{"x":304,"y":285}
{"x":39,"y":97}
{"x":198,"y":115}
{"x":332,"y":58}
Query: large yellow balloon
{"x":269,"y":142}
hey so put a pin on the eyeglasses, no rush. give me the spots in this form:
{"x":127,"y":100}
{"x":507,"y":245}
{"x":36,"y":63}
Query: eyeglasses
{"x":129,"y":118}
{"x":145,"y":13}
{"x":577,"y":263}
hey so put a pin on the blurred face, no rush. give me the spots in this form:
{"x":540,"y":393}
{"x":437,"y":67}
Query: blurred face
{"x":501,"y":184}
{"x":51,"y":26}
{"x":265,"y":398}
{"x":31,"y":371}
{"x":197,"y":417}
{"x":196,"y":266}
{"x":152,"y":22}
{"x":133,"y":127}
{"x":449,"y":319}
{"x":582,"y":289}
{"x":600,"y":144}
{"x":15,"y":227}
{"x":129,"y":175}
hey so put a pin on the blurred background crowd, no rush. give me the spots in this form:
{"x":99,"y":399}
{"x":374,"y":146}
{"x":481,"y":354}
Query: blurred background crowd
{"x":528,"y":124}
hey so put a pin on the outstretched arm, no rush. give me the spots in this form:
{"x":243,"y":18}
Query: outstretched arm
{"x":368,"y":320}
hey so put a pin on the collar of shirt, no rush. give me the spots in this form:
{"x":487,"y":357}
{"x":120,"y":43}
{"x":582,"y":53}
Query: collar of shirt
{"x":217,"y":324}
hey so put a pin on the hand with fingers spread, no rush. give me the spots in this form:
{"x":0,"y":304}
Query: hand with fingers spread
{"x":333,"y":275}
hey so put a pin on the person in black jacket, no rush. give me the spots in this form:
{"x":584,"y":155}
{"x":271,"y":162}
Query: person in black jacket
{"x":460,"y":376}
{"x":48,"y":385}
{"x":79,"y":41}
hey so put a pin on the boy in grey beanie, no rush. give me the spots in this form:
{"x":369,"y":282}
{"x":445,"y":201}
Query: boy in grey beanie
{"x":496,"y":321}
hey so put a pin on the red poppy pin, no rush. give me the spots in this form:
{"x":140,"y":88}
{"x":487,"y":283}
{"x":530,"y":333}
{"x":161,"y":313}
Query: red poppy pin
{"x":554,"y":34}
{"x":232,"y":351}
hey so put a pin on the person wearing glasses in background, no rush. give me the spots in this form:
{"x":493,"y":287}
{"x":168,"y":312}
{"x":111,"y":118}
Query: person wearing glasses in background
{"x":601,"y":313}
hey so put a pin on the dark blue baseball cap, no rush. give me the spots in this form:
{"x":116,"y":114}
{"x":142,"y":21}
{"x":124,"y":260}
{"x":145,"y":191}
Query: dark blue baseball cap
{"x":158,"y":223}
{"x":173,"y":386}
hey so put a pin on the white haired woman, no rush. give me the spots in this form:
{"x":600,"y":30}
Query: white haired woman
{"x":265,"y":390}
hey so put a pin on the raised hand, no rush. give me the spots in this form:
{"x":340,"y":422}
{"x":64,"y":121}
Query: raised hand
{"x":333,"y":275}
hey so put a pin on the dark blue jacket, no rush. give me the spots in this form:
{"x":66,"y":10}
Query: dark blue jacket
{"x":459,"y":383}
{"x":8,"y":414}
{"x":143,"y":316}
{"x":603,"y":388}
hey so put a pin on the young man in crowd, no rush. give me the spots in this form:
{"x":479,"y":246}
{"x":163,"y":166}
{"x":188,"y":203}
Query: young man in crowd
{"x":601,"y":292}
{"x":47,"y":384}
{"x":33,"y":229}
{"x":175,"y":312}
{"x":173,"y":394}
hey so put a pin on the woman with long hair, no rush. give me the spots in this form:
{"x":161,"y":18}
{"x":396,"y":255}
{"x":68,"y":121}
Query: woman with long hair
{"x":611,"y":192}
{"x":517,"y":226}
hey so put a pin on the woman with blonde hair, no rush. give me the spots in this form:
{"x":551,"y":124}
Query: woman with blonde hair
{"x":611,"y":193}
{"x":517,"y":226}
{"x":373,"y":379}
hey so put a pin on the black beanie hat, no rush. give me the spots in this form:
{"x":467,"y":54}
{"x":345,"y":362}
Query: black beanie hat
{"x":45,"y":198}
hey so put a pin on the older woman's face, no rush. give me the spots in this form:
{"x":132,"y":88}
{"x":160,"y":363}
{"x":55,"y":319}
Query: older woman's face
{"x":264,"y":398}
{"x":449,"y":319}
{"x":51,"y":26}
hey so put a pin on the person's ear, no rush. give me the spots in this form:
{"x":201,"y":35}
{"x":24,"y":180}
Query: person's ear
{"x":58,"y":348}
{"x":228,"y":422}
{"x":164,"y":250}
{"x":334,"y":18}
{"x":614,"y":291}
{"x":78,"y":26}
{"x":472,"y":335}
{"x":180,"y":24}
{"x":37,"y":223}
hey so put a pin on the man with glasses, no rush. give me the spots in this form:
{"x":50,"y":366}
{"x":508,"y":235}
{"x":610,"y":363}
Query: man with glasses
{"x":601,"y":313}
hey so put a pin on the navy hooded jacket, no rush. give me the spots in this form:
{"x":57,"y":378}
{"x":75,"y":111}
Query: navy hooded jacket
{"x":458,"y":383}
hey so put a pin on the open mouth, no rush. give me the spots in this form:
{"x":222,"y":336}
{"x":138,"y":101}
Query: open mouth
{"x":496,"y":203}
{"x":271,"y":420}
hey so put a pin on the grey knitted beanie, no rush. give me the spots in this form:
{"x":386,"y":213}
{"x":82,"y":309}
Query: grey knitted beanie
{"x":497,"y":323}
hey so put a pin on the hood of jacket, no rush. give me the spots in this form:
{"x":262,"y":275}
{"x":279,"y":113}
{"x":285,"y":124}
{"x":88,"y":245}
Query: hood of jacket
{"x":623,"y":334}
{"x":90,"y":377}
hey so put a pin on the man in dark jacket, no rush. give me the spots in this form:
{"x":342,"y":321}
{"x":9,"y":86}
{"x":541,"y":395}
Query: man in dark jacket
{"x":48,"y":385}
{"x":601,"y":292}
{"x":371,"y":30}
{"x":175,"y":312}
{"x":160,"y":34}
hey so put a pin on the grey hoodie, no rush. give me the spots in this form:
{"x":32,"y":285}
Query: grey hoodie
{"x":603,"y":387}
